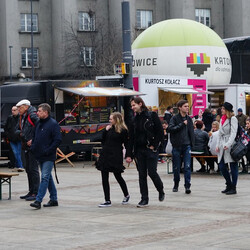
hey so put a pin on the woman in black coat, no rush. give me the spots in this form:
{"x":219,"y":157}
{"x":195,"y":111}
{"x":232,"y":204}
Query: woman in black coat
{"x":111,"y":158}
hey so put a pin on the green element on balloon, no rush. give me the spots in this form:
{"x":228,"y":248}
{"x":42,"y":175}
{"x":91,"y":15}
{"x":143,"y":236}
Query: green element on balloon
{"x":177,"y":32}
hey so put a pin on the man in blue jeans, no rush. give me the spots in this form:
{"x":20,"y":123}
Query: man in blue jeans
{"x":15,"y":140}
{"x":182,"y":138}
{"x":44,"y":144}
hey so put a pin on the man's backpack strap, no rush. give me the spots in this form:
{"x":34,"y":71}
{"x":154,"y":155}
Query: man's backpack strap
{"x":30,"y":121}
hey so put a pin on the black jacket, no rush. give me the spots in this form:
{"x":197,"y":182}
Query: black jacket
{"x":201,"y":141}
{"x":111,"y":157}
{"x":145,"y":131}
{"x":46,"y":139}
{"x":24,"y":126}
{"x":167,"y":117}
{"x":177,"y":128}
{"x":207,"y":119}
{"x":10,"y":128}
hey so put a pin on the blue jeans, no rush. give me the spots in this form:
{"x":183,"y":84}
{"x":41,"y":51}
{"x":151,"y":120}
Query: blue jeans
{"x":46,"y":182}
{"x":177,"y":154}
{"x":234,"y":172}
{"x":17,"y":149}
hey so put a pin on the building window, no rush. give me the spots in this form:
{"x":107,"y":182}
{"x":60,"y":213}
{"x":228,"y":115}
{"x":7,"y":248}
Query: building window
{"x":26,"y":22}
{"x":86,"y":21}
{"x":203,"y":16}
{"x":144,"y":18}
{"x":26,"y":58}
{"x":87,"y":56}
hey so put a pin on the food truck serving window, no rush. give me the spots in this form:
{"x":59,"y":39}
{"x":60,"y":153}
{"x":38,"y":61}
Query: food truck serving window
{"x":93,"y":108}
{"x":90,"y":109}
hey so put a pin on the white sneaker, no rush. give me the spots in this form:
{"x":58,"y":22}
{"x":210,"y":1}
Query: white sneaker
{"x":105,"y":204}
{"x":125,"y":200}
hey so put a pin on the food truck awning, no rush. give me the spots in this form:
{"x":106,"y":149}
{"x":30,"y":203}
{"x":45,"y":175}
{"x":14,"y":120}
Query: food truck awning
{"x":185,"y":90}
{"x":101,"y":91}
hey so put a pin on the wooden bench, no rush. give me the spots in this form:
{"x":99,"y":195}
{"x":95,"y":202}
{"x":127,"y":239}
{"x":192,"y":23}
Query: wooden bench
{"x":169,"y":160}
{"x":2,"y":158}
{"x":6,"y":178}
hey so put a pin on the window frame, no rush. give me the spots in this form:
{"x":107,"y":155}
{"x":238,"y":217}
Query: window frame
{"x":144,"y":24}
{"x":90,"y":52}
{"x":86,"y":22}
{"x":25,"y":23}
{"x":27,"y":59}
{"x":202,"y":13}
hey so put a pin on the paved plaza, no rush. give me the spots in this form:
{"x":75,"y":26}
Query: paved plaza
{"x":205,"y":219}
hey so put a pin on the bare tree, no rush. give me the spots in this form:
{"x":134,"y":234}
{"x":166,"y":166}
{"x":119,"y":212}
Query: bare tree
{"x":106,"y":50}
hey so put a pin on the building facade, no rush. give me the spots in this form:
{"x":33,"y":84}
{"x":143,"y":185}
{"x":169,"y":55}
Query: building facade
{"x":83,"y":38}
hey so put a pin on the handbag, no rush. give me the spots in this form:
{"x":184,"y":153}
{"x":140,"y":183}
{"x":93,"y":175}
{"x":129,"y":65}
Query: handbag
{"x":238,"y":150}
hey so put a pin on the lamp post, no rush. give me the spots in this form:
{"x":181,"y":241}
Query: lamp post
{"x":32,"y":46}
{"x":10,"y":47}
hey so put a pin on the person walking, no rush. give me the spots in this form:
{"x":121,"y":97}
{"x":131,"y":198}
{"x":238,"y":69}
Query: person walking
{"x":226,"y":138}
{"x":145,"y":137}
{"x":46,"y":139}
{"x":182,"y":138}
{"x":111,"y":158}
{"x":14,"y":139}
{"x":26,"y":129}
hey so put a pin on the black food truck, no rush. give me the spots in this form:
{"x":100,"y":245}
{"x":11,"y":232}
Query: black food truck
{"x":82,"y":108}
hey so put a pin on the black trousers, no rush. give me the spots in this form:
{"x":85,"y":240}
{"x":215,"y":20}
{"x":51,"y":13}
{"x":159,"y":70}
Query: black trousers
{"x":106,"y":187}
{"x":146,"y":163}
{"x":32,"y":171}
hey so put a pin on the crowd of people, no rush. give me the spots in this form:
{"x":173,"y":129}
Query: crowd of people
{"x":211,"y":132}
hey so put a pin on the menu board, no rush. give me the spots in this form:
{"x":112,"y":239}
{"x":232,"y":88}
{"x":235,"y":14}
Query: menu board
{"x":99,"y":115}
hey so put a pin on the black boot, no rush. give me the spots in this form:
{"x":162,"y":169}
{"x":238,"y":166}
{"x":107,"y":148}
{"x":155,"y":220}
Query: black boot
{"x":175,"y":188}
{"x":232,"y":191}
{"x":228,"y":188}
{"x":202,"y":169}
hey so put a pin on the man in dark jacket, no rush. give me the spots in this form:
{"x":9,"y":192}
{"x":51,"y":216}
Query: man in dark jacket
{"x":44,"y":144}
{"x":25,"y":129}
{"x":145,"y":136}
{"x":182,"y":138}
{"x":168,"y":114}
{"x":14,"y":139}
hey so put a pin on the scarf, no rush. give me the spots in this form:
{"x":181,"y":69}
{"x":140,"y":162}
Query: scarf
{"x":223,"y":119}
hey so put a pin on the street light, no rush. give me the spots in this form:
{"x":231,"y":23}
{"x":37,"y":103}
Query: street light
{"x":10,"y":47}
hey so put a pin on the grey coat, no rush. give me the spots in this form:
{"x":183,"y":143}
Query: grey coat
{"x":226,"y":137}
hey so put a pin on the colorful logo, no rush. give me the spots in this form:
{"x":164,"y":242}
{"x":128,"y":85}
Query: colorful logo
{"x":198,"y":64}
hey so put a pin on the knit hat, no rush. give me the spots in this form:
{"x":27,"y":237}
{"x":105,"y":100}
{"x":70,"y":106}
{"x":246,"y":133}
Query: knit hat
{"x":240,"y":110}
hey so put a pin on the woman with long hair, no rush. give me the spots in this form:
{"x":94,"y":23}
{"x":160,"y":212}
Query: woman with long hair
{"x":226,"y":139}
{"x":111,"y":158}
